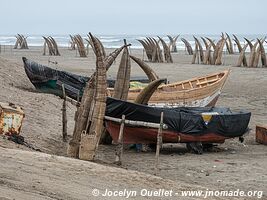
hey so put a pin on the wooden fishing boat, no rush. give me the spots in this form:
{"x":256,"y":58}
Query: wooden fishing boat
{"x":48,"y":80}
{"x":196,"y":92}
{"x":182,"y":125}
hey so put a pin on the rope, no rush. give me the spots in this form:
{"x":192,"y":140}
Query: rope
{"x":20,"y":140}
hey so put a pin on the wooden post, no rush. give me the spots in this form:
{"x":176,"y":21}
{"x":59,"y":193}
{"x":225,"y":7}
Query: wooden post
{"x":159,"y":143}
{"x":64,"y":115}
{"x":119,"y":149}
{"x":77,"y":104}
{"x":78,"y":99}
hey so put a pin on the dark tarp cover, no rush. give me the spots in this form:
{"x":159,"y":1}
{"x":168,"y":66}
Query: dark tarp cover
{"x":186,"y":120}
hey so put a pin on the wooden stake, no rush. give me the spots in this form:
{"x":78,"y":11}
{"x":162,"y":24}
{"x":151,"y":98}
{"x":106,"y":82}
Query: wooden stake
{"x":136,"y":123}
{"x":64,"y":115}
{"x":78,"y":99}
{"x":77,"y":104}
{"x":119,"y":149}
{"x":159,"y":143}
{"x":72,"y":101}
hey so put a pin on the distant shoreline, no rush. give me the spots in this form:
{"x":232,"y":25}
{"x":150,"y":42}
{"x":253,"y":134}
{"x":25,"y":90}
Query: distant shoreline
{"x":115,"y":41}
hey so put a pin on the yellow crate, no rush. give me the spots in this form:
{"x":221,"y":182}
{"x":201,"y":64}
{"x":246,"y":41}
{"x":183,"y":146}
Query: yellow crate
{"x":11,"y":118}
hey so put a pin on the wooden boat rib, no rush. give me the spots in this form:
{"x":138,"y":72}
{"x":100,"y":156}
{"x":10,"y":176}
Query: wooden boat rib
{"x":201,"y":92}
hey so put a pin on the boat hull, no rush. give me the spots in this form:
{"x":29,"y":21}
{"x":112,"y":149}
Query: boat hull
{"x":143,"y":135}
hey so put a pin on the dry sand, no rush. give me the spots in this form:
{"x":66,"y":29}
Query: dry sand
{"x":233,"y":166}
{"x":31,"y":176}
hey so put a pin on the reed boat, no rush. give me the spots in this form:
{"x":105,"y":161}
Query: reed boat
{"x":182,"y":124}
{"x":196,"y":92}
{"x":49,"y":80}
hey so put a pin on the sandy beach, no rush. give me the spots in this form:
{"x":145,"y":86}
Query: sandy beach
{"x":231,"y":166}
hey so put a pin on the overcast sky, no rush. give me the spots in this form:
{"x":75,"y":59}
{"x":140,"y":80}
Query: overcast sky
{"x":133,"y":16}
